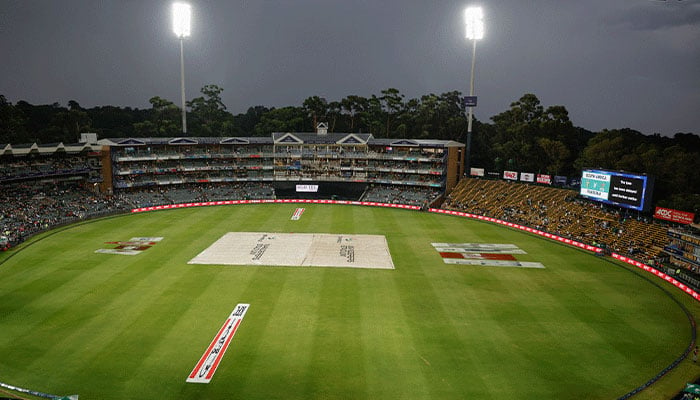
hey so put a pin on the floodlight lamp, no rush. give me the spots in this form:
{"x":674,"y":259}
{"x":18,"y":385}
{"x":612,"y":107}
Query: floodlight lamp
{"x":474,"y":21}
{"x":182,"y":15}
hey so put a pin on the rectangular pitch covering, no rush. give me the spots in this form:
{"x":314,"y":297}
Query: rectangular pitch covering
{"x":298,"y":250}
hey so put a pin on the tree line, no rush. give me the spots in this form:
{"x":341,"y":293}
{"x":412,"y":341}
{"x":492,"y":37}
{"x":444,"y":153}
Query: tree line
{"x":527,"y":137}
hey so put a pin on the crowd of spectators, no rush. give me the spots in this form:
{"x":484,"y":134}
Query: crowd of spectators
{"x":13,"y":169}
{"x":559,"y":211}
{"x":400,"y":194}
{"x":175,"y":194}
{"x":167,"y":171}
{"x":29,"y":208}
{"x":32,"y":207}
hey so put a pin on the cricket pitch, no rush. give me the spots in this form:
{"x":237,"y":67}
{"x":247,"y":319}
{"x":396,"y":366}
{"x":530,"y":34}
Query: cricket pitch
{"x":298,"y":250}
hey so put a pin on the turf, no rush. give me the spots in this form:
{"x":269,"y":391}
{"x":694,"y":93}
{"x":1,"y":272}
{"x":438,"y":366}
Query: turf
{"x":114,"y":327}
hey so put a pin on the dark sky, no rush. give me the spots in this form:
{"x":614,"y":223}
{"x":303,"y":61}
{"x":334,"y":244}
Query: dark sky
{"x":612,"y":63}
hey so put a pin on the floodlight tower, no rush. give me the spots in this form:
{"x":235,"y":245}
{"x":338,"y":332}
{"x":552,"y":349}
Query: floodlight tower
{"x":474,"y":21}
{"x":182,"y":15}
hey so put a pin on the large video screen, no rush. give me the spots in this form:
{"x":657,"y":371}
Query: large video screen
{"x":617,"y":188}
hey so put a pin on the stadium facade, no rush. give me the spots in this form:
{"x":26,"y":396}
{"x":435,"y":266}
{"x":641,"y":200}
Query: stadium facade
{"x":341,"y":164}
{"x":329,"y":163}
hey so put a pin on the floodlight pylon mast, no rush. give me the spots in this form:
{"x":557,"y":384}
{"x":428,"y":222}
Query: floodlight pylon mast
{"x":182,"y":86}
{"x":182,"y":15}
{"x":471,"y":112}
{"x":474,"y":23}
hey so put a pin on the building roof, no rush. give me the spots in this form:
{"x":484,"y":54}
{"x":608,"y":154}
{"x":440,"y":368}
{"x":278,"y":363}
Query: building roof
{"x":24,"y":149}
{"x":285,"y":138}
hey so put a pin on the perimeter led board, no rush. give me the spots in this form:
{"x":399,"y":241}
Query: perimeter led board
{"x":617,"y":188}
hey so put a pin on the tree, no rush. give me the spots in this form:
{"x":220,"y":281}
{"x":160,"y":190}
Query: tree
{"x":517,"y":131}
{"x":244,"y":124}
{"x":315,"y":108}
{"x":350,"y":106}
{"x":73,"y":105}
{"x":111,"y":121}
{"x":333,"y":114}
{"x":285,"y":119}
{"x":39,"y":122}
{"x":452,"y":112}
{"x":391,"y":104}
{"x":209,"y":113}
{"x":12,"y":123}
{"x":372,"y":116}
{"x":608,"y":148}
{"x":555,"y":155}
{"x":163,"y":119}
{"x":71,"y":123}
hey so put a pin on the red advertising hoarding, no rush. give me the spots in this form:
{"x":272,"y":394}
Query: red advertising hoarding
{"x":512,"y":175}
{"x":669,"y":214}
{"x":545,"y":179}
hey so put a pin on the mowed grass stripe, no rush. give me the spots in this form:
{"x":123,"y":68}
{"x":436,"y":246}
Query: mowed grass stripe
{"x":132,"y":282}
{"x":529,"y":344}
{"x":67,"y":287}
{"x":337,"y":348}
{"x":449,"y":363}
{"x":275,"y":350}
{"x":437,"y":342}
{"x":393,"y":364}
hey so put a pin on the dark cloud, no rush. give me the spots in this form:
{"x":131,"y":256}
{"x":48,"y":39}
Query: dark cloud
{"x":612,"y":64}
{"x":658,"y":14}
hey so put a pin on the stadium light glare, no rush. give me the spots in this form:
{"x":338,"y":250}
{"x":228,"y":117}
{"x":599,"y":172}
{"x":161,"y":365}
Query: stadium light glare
{"x":182,"y":18}
{"x":474,"y":23}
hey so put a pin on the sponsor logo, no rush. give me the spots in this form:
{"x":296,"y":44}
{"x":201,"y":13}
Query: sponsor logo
{"x":483,"y":254}
{"x":297,"y":214}
{"x":495,"y":263}
{"x":131,"y":247}
{"x":307,"y":188}
{"x":478,"y":248}
{"x":559,"y":180}
{"x":544,"y":179}
{"x":527,"y":177}
{"x":669,"y":214}
{"x":206,"y":366}
{"x":512,"y":175}
{"x":478,"y":256}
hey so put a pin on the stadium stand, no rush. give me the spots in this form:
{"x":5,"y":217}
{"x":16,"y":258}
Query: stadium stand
{"x":49,"y":185}
{"x":189,"y":193}
{"x":559,"y":211}
{"x":399,"y":194}
{"x":29,"y":208}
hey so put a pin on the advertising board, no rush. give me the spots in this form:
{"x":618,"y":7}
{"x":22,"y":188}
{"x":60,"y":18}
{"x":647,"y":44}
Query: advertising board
{"x":544,"y":179}
{"x":617,"y":188}
{"x":669,"y":214}
{"x":510,"y":175}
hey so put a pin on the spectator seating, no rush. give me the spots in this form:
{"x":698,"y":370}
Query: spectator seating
{"x":401,"y":194}
{"x":559,"y":211}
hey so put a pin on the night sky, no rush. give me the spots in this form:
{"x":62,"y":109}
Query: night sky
{"x":612,"y":63}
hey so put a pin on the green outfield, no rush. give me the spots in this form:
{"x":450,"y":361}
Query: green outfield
{"x":108,"y":326}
